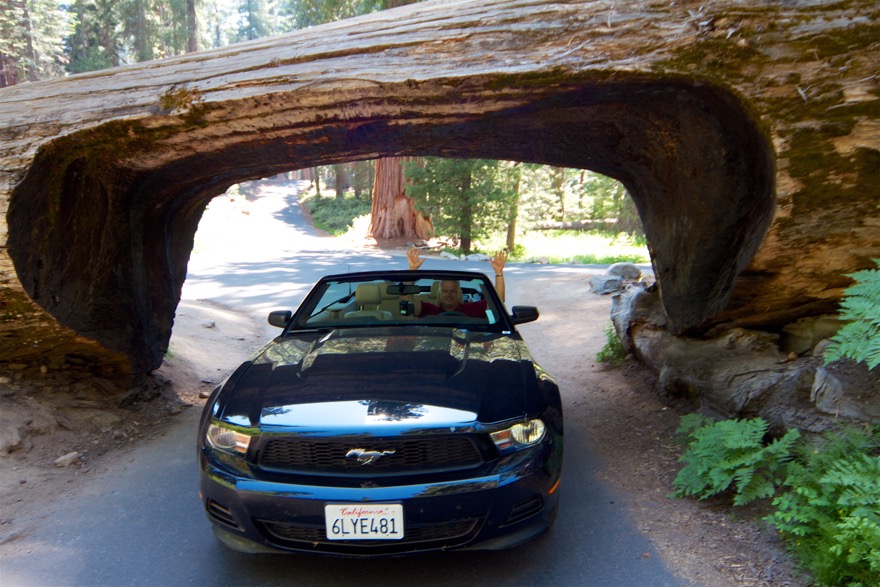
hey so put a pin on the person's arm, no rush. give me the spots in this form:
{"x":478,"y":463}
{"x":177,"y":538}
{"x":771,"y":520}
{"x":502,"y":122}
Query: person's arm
{"x":412,"y":256}
{"x":497,"y":262}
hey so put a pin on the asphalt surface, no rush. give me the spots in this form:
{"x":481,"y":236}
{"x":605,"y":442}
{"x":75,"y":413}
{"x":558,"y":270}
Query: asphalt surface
{"x":141,"y":523}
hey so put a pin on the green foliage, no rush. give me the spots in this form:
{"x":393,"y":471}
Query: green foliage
{"x":828,"y":505}
{"x":613,"y":352}
{"x":31,"y":47}
{"x":336,"y":215}
{"x":732,"y":454}
{"x":829,"y":511}
{"x":467,"y":199}
{"x":860,"y":338}
{"x":304,"y":13}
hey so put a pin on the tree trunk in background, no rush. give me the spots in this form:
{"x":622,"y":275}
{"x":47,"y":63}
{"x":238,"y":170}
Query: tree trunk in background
{"x":8,"y":76}
{"x":394,"y":214}
{"x":467,"y":216}
{"x":339,"y":180}
{"x":514,"y":213}
{"x":192,"y":28}
{"x":558,"y":184}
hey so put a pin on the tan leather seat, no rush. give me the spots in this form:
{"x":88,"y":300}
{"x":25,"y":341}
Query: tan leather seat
{"x":390,"y":302}
{"x":367,"y":297}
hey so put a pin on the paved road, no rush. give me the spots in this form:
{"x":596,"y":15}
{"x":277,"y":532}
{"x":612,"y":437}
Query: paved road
{"x":141,"y":523}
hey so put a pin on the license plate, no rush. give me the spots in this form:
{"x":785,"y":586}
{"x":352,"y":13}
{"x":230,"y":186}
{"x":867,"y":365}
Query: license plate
{"x":378,"y":521}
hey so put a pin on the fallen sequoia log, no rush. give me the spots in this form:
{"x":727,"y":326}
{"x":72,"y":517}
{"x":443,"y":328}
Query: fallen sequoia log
{"x":576,"y":225}
{"x":746,"y":132}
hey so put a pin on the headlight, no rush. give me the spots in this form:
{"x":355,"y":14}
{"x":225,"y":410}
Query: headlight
{"x":228,"y":439}
{"x":520,"y":435}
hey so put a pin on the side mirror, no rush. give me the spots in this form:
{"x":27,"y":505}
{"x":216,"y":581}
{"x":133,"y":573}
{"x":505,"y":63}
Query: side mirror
{"x":280,"y":318}
{"x":523,"y":314}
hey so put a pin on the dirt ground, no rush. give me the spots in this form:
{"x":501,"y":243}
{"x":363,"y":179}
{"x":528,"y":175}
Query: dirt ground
{"x":624,"y":419}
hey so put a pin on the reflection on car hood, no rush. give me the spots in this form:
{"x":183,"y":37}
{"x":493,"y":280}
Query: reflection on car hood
{"x":388,"y":376}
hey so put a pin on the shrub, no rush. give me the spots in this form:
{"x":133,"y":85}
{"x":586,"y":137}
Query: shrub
{"x":336,"y":215}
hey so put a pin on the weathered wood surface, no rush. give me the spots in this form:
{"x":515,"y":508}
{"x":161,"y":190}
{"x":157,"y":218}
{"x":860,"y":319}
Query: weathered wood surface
{"x":103,"y":176}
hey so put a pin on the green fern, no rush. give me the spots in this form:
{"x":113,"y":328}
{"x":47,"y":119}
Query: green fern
{"x":731,"y":454}
{"x":829,"y":508}
{"x":859,"y":339}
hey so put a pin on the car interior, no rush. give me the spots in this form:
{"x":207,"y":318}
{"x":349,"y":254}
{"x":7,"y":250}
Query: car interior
{"x":376,"y":302}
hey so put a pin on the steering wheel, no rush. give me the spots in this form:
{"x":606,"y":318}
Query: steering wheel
{"x":451,"y":313}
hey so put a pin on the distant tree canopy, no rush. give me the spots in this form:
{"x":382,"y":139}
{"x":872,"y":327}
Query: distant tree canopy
{"x":32,"y":34}
{"x":41,"y":39}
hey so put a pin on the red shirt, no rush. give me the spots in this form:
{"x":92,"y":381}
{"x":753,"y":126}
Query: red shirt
{"x":472,"y":309}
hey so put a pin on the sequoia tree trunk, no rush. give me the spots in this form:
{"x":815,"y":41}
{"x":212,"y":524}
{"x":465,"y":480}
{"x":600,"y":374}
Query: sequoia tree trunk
{"x":394,"y":214}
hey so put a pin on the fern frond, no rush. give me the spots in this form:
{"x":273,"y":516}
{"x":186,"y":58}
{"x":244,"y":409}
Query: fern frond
{"x":859,"y":339}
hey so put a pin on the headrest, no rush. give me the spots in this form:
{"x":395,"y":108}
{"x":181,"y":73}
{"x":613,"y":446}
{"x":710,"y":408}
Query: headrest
{"x":367,"y":294}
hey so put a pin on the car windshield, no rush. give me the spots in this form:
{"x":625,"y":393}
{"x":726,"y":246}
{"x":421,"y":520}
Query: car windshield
{"x":445,"y":300}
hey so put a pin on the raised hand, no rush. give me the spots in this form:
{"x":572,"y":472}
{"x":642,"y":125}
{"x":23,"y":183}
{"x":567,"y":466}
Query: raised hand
{"x":415,"y":261}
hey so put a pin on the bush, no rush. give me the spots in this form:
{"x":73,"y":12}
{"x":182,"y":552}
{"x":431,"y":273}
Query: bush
{"x":336,"y":215}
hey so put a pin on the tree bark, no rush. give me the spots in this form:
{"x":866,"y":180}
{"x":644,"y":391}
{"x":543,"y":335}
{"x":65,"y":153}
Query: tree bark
{"x":510,"y":241}
{"x":394,"y":216}
{"x":339,"y":180}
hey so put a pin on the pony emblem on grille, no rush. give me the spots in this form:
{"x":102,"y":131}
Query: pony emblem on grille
{"x":366,"y":457}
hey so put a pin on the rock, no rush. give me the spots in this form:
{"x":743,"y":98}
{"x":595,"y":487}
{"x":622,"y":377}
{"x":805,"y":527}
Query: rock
{"x":448,"y":255}
{"x":805,"y":333}
{"x":209,"y":324}
{"x":20,"y":419}
{"x":103,"y":418}
{"x":830,"y":397}
{"x":605,"y":284}
{"x":625,"y":271}
{"x":10,"y":439}
{"x":67,"y":460}
{"x":477,"y":257}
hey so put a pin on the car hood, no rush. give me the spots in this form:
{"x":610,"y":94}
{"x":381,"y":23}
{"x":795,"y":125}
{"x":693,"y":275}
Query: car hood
{"x":346,"y":379}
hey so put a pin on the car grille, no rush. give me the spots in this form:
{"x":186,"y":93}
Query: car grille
{"x":406,"y":456}
{"x":416,"y":537}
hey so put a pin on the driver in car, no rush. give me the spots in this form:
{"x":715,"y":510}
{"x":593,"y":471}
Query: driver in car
{"x":450,"y":291}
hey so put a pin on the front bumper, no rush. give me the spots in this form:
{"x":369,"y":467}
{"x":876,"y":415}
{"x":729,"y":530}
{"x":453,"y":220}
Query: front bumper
{"x":512,"y":505}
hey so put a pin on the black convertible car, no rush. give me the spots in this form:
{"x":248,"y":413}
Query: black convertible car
{"x":379,"y":423}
